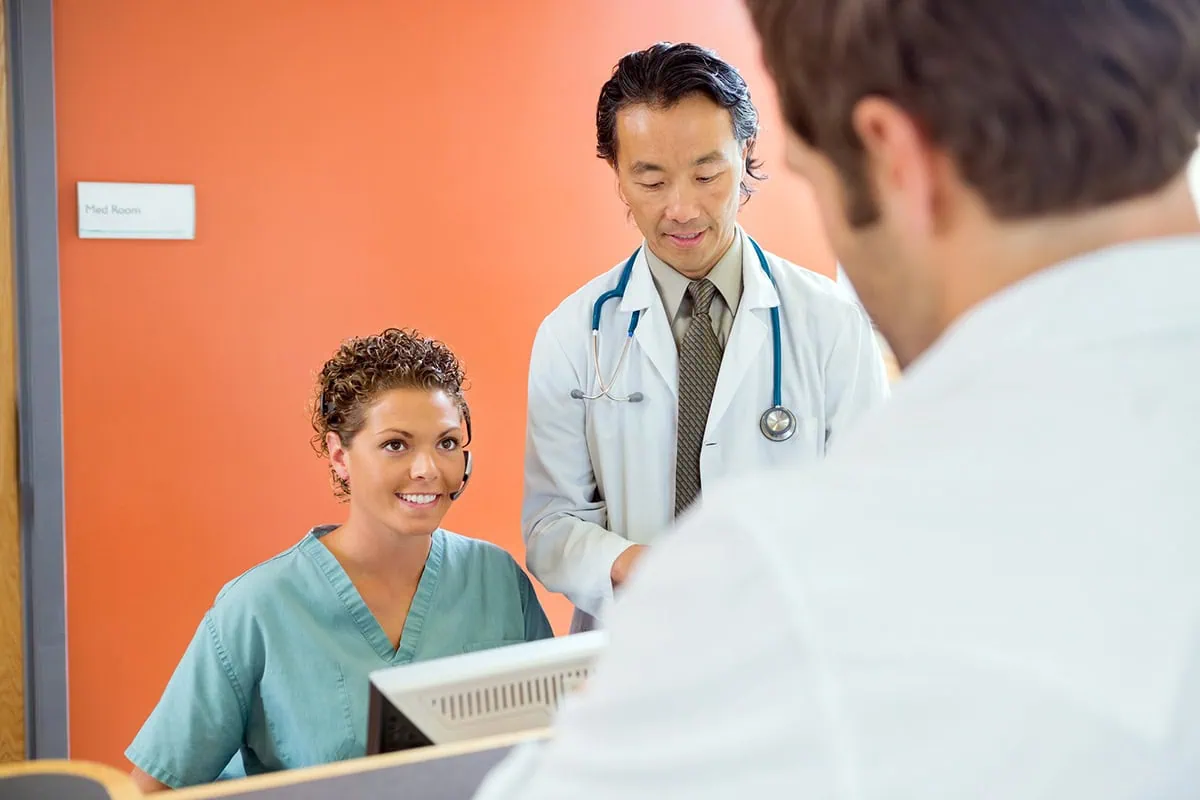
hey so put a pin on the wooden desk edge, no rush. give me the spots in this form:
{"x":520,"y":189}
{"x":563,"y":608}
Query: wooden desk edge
{"x":118,"y":784}
{"x":354,"y":766}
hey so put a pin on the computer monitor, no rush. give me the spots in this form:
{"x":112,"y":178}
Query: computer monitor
{"x":503,"y":690}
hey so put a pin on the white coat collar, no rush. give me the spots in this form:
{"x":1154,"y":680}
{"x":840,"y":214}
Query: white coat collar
{"x":757,"y":289}
{"x":747,"y":341}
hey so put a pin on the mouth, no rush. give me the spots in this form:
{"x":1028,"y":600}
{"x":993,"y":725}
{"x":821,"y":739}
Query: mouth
{"x":686,"y":240}
{"x":419,"y":501}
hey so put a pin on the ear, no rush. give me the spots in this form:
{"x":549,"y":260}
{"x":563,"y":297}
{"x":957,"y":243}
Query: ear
{"x":339,"y":456}
{"x":900,"y":163}
{"x":743,"y":160}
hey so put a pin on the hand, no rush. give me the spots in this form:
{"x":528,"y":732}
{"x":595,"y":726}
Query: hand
{"x":623,"y":566}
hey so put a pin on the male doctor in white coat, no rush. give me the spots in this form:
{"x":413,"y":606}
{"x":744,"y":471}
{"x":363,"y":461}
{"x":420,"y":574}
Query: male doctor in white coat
{"x":990,"y":588}
{"x":606,"y":472}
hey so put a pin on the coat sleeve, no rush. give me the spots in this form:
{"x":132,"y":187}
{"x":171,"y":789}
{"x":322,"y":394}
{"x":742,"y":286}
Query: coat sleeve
{"x":563,"y":517}
{"x":705,"y":689}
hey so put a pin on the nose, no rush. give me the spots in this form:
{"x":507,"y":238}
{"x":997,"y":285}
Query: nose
{"x":682,"y":207}
{"x":423,"y":466}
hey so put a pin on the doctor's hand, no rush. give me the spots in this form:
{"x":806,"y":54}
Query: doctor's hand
{"x":623,"y":566}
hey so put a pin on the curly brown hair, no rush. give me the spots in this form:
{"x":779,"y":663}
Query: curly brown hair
{"x":363,"y":368}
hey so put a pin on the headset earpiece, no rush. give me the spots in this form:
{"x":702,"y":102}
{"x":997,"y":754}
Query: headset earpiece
{"x":466,"y":412}
{"x":466,"y":477}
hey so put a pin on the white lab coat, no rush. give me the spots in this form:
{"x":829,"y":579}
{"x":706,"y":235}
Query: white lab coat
{"x":600,"y":474}
{"x":989,"y":591}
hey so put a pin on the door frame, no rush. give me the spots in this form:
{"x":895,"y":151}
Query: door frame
{"x":29,"y":32}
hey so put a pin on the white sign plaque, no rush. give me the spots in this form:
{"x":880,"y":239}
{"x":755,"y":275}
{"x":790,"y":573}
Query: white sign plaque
{"x":137,"y":211}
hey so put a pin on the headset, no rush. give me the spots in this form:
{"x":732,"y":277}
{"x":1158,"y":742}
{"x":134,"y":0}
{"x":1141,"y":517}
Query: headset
{"x":466,"y":454}
{"x":327,"y":411}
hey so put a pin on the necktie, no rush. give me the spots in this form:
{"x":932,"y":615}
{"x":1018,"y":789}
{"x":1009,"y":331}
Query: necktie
{"x":699,"y":364}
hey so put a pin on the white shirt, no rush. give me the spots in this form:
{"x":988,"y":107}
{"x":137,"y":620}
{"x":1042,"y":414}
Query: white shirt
{"x":991,"y":590}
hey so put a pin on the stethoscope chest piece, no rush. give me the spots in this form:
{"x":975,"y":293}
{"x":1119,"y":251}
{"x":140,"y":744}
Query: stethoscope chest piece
{"x":777,"y":424}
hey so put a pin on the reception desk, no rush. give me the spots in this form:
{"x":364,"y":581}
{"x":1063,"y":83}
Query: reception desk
{"x":447,"y":772}
{"x":68,"y":780}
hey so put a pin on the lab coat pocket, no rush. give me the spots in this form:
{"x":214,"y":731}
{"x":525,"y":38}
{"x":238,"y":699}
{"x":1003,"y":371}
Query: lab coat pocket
{"x":607,"y":419}
{"x":806,"y":444}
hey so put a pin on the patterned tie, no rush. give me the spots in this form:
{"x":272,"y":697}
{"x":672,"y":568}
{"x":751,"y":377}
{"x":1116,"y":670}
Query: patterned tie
{"x":699,"y":364}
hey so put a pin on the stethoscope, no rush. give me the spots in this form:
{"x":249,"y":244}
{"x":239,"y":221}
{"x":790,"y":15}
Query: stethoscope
{"x":777,"y":423}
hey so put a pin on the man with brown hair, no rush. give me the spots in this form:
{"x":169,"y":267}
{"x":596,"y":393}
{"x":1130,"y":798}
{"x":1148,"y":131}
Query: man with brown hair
{"x":990,"y":589}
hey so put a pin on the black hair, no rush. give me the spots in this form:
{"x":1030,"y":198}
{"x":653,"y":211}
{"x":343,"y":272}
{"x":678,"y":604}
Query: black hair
{"x":662,"y":75}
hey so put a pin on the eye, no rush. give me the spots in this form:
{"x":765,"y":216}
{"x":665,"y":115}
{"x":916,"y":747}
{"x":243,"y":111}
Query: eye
{"x":708,"y":178}
{"x":394,"y":446}
{"x":449,"y":443}
{"x":651,"y":186}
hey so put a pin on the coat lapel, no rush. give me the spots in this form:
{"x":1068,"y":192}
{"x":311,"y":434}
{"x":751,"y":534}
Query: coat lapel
{"x":749,"y":341}
{"x":653,"y":333}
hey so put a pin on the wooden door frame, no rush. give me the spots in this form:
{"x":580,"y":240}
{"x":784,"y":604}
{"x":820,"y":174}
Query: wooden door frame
{"x":29,"y":40}
{"x":12,"y":623}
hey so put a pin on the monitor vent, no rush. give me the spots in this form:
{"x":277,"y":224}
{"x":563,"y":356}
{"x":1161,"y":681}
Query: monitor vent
{"x":540,"y":691}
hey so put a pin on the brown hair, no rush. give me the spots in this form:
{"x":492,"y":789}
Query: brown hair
{"x":365,"y":367}
{"x":1046,"y":107}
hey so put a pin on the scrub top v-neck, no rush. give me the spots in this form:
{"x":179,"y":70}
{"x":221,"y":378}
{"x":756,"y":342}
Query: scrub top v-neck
{"x":276,"y":675}
{"x":368,"y":625}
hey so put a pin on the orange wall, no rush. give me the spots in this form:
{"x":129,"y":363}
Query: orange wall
{"x":357,"y":164}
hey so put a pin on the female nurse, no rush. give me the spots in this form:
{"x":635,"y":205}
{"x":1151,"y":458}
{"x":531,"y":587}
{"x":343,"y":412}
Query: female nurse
{"x":276,"y":674}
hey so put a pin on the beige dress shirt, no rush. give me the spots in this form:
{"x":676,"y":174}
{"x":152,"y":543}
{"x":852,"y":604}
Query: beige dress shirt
{"x":672,"y":288}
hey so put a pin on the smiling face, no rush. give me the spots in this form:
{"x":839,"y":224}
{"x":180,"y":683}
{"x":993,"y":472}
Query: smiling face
{"x":405,"y":461}
{"x":679,"y":169}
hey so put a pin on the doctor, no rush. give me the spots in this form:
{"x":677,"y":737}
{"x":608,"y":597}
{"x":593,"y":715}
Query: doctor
{"x":698,"y":356}
{"x":989,"y":589}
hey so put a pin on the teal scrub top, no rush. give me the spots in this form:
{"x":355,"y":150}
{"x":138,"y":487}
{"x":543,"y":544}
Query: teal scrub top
{"x":276,"y":675}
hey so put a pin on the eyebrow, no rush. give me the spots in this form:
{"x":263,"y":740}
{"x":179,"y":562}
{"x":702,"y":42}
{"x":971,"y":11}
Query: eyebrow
{"x":642,"y":167}
{"x":407,"y":435}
